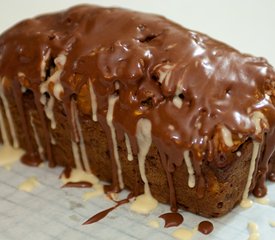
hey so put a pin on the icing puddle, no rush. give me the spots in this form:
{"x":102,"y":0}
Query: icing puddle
{"x":81,"y":179}
{"x":184,"y":233}
{"x":153,"y":224}
{"x":9,"y":155}
{"x":29,"y":184}
{"x":253,"y":231}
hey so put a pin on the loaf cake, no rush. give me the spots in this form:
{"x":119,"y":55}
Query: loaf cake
{"x":142,"y":103}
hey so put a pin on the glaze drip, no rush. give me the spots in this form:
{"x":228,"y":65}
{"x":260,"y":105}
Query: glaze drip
{"x":37,"y":139}
{"x":93,"y":101}
{"x":79,"y":149}
{"x":12,"y":129}
{"x":111,"y":105}
{"x":145,"y":202}
{"x":246,"y":203}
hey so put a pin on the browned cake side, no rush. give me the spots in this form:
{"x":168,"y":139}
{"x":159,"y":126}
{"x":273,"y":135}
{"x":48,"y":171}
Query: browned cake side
{"x":179,"y":93}
{"x":224,"y":185}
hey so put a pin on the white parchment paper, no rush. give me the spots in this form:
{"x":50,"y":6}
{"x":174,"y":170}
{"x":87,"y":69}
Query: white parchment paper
{"x":49,"y":212}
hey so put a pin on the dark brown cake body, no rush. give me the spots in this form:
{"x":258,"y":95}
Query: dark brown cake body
{"x":141,"y":102}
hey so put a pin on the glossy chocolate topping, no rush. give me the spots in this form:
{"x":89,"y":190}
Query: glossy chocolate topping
{"x":195,"y":91}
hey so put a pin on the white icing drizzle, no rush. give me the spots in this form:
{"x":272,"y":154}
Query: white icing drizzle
{"x":81,"y":138}
{"x":93,"y":100}
{"x":22,"y":76}
{"x":44,"y":64}
{"x":129,"y":149}
{"x":44,"y":88}
{"x":177,"y":101}
{"x":9,"y":155}
{"x":59,"y":61}
{"x":144,"y":203}
{"x":171,"y":46}
{"x":190,"y":169}
{"x":48,"y":106}
{"x":184,"y":233}
{"x":109,"y":117}
{"x":8,"y":114}
{"x":153,"y":224}
{"x":78,"y":175}
{"x":82,"y":154}
{"x":37,"y":139}
{"x":117,"y":85}
{"x":262,"y":200}
{"x":227,"y":136}
{"x":257,"y":118}
{"x":239,"y":153}
{"x":267,"y":97}
{"x":253,"y":231}
{"x":246,"y":202}
{"x":198,"y":124}
{"x":97,"y":191}
{"x":23,"y":89}
{"x":165,"y":73}
{"x":29,"y":184}
{"x":76,"y":155}
{"x":57,"y":88}
{"x":171,"y":127}
{"x":53,"y":141}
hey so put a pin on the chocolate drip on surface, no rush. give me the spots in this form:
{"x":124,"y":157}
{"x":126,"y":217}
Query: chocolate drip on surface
{"x":260,"y":189}
{"x":32,"y":159}
{"x":173,"y":199}
{"x":205,"y":227}
{"x":172,"y":219}
{"x":81,"y":184}
{"x":97,"y":217}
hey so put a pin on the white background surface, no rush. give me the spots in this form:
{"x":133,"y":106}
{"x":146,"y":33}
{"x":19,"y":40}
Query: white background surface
{"x":248,"y":25}
{"x":51,"y":213}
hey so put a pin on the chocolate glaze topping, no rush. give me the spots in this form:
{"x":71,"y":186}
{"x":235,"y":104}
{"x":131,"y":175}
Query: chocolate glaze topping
{"x":188,"y":85}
